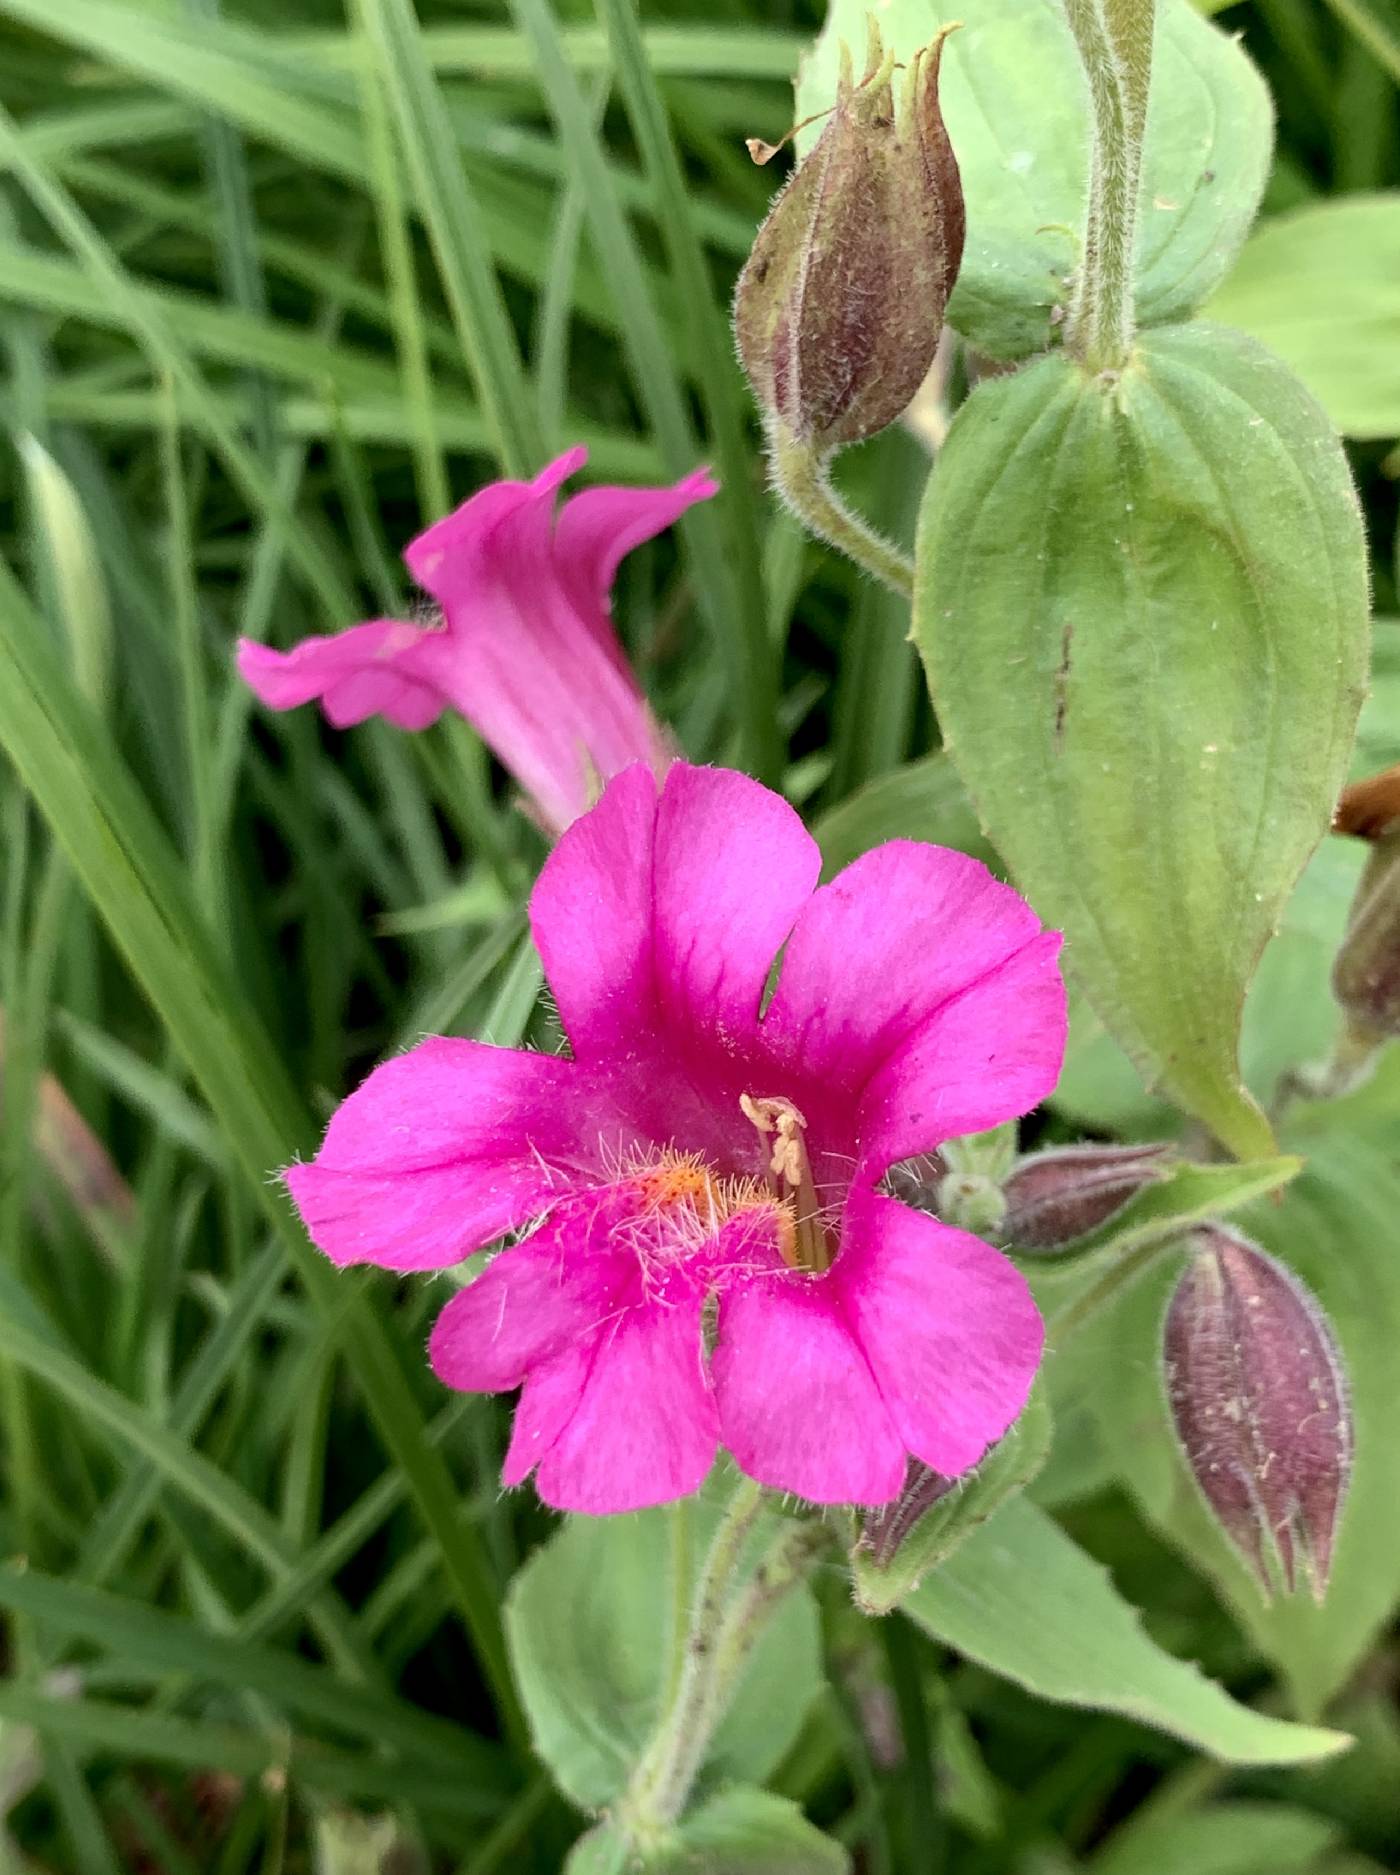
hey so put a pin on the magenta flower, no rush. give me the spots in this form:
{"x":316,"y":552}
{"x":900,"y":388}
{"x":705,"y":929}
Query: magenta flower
{"x":526,"y":650}
{"x":713,"y":1261}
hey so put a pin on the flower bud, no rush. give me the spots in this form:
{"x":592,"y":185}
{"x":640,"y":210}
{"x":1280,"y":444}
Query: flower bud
{"x":883,"y":1530}
{"x":1053,"y":1199}
{"x":1259,"y":1401}
{"x":1366,"y":974}
{"x":971,"y":1201}
{"x":840,"y":305}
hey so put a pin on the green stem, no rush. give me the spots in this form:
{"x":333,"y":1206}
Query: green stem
{"x":726,"y":1620}
{"x":923,"y":1825}
{"x":682,"y":1517}
{"x":801,"y":477}
{"x":1114,"y":38}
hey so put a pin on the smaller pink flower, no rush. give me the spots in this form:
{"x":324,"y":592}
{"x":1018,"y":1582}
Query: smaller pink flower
{"x":526,"y":650}
{"x":713,"y":1259}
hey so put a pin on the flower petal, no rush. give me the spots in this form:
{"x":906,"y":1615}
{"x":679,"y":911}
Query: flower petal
{"x":798,"y":1406}
{"x":947,"y":1323}
{"x":990,"y":1054}
{"x":733,"y":868}
{"x":383,"y":668}
{"x":507,"y":521}
{"x":535,"y":665}
{"x":669,"y":915}
{"x":590,"y":913}
{"x":551,"y":1291}
{"x":897,"y":934}
{"x":547,"y":1404}
{"x":642,"y":1427}
{"x":439,"y":1152}
{"x":599,"y":528}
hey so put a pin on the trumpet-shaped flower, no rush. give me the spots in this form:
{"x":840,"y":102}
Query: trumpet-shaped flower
{"x":712,"y":1260}
{"x":525,"y":649}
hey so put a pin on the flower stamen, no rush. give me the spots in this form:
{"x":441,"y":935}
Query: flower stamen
{"x":790,"y":1180}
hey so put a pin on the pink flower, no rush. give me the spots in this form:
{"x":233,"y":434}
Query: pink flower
{"x":526,"y":652}
{"x":713,"y":1262}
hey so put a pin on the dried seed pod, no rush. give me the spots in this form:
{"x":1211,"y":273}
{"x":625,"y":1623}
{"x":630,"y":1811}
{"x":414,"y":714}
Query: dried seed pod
{"x":1259,"y":1401}
{"x":840,"y":305}
{"x":1056,"y":1198}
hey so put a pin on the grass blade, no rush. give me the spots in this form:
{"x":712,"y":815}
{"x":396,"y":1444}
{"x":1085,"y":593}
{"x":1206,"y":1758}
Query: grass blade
{"x":737,"y":623}
{"x":455,"y":228}
{"x":163,"y":1739}
{"x":149,"y":328}
{"x":167,"y":1644}
{"x":136,"y":884}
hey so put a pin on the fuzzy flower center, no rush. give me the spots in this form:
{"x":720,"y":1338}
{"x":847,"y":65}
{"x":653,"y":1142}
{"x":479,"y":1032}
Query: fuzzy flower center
{"x":677,"y":1204}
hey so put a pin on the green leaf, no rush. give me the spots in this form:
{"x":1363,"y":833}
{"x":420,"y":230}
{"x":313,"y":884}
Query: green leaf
{"x":923,"y":800}
{"x":752,"y":1832}
{"x":602,"y":1850}
{"x":967,"y":1789}
{"x":1221,"y":1839}
{"x":1099,"y":1088}
{"x":1321,"y":287}
{"x":1007,"y":1468}
{"x":148,"y":325}
{"x":589,"y":1622}
{"x":1020,"y":1598}
{"x":1017,"y":111}
{"x":741,"y":1832}
{"x":1336,"y":1229}
{"x":1290,"y":1018}
{"x":1142,"y":605}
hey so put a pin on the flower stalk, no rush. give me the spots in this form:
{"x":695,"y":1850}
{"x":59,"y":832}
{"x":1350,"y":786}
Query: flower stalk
{"x":802,"y":477}
{"x":728,"y":1616}
{"x":1114,"y":38}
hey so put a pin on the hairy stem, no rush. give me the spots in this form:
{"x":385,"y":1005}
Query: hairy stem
{"x":801,"y":477}
{"x":727,"y":1618}
{"x":1114,"y":38}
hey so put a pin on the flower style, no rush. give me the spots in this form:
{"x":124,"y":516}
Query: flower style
{"x":525,"y":650}
{"x":713,"y":1261}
